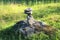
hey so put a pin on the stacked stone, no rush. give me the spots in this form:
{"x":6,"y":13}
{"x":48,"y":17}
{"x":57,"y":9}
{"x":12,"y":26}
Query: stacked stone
{"x":30,"y":26}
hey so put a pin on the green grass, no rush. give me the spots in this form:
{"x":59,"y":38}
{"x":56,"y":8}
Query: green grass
{"x":12,"y":13}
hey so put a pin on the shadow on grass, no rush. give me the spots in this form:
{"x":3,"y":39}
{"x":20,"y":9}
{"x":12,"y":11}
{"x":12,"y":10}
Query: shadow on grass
{"x":10,"y":33}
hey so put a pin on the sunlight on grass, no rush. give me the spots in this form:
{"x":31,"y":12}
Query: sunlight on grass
{"x":11,"y":12}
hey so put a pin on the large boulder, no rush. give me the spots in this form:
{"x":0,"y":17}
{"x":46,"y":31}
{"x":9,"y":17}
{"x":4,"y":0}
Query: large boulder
{"x":31,"y":26}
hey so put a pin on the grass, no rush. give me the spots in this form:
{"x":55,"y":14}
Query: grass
{"x":12,"y":13}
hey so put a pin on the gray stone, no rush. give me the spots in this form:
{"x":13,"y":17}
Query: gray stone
{"x":30,"y":26}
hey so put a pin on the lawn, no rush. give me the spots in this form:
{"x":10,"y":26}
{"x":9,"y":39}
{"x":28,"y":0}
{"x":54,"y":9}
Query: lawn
{"x":10,"y":14}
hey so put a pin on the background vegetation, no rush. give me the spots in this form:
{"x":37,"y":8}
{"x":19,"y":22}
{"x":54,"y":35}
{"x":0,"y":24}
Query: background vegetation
{"x":12,"y":11}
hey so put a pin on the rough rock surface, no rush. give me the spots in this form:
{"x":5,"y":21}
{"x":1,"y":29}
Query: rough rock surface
{"x":31,"y":26}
